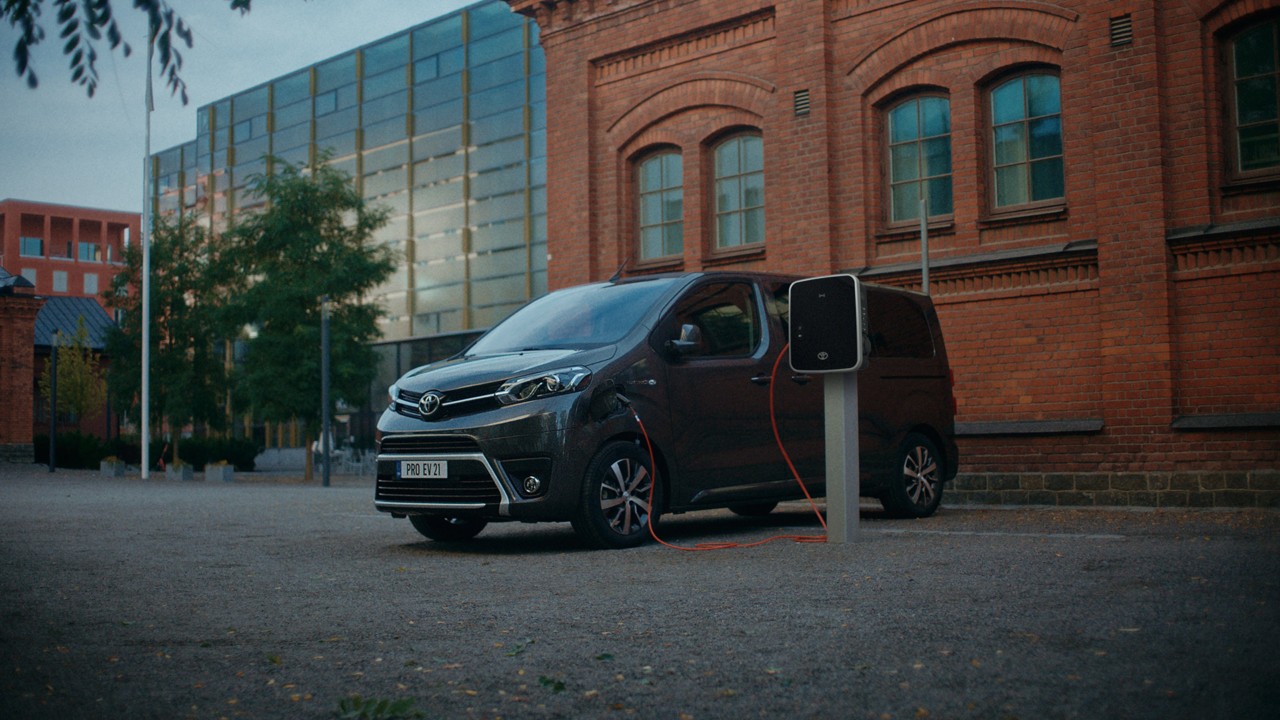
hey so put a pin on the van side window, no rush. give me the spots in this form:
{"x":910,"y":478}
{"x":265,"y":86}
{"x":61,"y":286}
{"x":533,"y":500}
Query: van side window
{"x":898,"y":327}
{"x":723,"y":320}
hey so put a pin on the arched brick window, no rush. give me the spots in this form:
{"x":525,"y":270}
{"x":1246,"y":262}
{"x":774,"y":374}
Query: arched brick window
{"x":919,"y":162}
{"x":1255,"y":101}
{"x":739,"y":191}
{"x":1026,"y":131}
{"x":660,"y":204}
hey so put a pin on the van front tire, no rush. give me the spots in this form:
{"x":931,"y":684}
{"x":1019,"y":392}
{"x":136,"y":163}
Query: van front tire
{"x":614,"y":509}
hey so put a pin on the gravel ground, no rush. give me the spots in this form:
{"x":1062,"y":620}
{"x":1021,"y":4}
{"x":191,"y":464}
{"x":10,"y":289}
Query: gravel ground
{"x":269,"y":598}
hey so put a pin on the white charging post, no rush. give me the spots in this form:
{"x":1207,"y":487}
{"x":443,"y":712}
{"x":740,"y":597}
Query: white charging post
{"x":826,"y":331}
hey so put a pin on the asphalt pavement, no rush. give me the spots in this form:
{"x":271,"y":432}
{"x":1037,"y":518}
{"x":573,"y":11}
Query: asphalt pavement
{"x":270,"y":598}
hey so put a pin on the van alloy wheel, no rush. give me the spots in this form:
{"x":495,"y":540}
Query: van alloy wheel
{"x":615,"y":510}
{"x":917,"y":491}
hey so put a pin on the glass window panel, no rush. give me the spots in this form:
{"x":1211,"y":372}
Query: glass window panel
{"x":752,"y":154}
{"x":385,"y":132}
{"x":651,"y":174}
{"x":341,"y":145}
{"x":347,"y":96}
{"x":1256,"y":100}
{"x":440,"y":168}
{"x":673,"y":238}
{"x":376,"y":86}
{"x":439,"y":220}
{"x":496,"y":46}
{"x":498,"y":209}
{"x":939,"y":190}
{"x":497,"y":99}
{"x":489,"y":18}
{"x":439,"y":247}
{"x":672,"y":170}
{"x":497,"y":72}
{"x":386,"y":158}
{"x":729,"y":230}
{"x":1011,"y":145}
{"x":1042,"y":95}
{"x":753,"y":190}
{"x":651,"y":242}
{"x":385,"y":182}
{"x":498,"y":182}
{"x":498,"y":236}
{"x":728,"y":195}
{"x":753,"y":231}
{"x":1006,"y":103}
{"x":326,"y":103}
{"x":1259,"y":146}
{"x":499,"y":154}
{"x":1046,"y":179}
{"x":439,"y":35}
{"x":496,"y":127}
{"x":437,"y":196}
{"x":672,"y":205}
{"x":426,"y":69}
{"x":388,"y":106}
{"x":293,"y":114}
{"x":1046,"y":137}
{"x":903,"y":123}
{"x":335,"y":73}
{"x":434,"y":92}
{"x":937,"y":156}
{"x":727,"y":159}
{"x":1011,"y":185}
{"x":443,"y":142}
{"x":437,"y":117}
{"x":935,"y":115}
{"x":651,"y":209}
{"x":293,"y":88}
{"x":387,"y":54}
{"x":251,"y":103}
{"x":1255,"y":51}
{"x":904,"y":162}
{"x":905,"y":201}
{"x":452,"y":61}
{"x":336,"y":122}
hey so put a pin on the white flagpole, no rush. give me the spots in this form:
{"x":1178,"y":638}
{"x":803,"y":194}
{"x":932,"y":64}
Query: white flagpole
{"x":146,"y":269}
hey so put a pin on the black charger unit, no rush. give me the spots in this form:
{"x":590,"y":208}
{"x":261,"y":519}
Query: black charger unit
{"x":826,"y":327}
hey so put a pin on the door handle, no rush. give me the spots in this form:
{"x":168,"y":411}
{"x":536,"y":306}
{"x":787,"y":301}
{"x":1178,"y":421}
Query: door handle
{"x":760,"y":379}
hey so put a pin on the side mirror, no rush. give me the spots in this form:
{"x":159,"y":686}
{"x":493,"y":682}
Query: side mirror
{"x":690,"y":342}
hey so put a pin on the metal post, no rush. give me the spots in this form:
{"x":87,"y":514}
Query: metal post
{"x":146,"y":267}
{"x":325,"y":450}
{"x":53,"y":401}
{"x":840,"y":398}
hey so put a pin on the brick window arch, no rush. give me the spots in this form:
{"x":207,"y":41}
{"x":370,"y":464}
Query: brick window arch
{"x":660,"y":204}
{"x":1026,"y":141}
{"x":738,"y":164}
{"x":1254,"y":60}
{"x":919,"y":157}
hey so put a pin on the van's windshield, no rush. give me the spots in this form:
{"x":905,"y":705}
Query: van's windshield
{"x":583,"y":316}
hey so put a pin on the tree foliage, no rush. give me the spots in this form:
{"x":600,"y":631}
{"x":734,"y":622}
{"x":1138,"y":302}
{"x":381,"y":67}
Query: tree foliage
{"x":188,"y":377}
{"x":81,"y":387}
{"x":313,"y":239}
{"x":82,"y":26}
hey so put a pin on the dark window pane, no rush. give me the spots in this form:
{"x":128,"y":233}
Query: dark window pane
{"x":904,"y":162}
{"x":1046,"y":137}
{"x":1255,"y":51}
{"x":1046,"y":179}
{"x":903,"y":125}
{"x":937,"y":153}
{"x":1256,"y":100}
{"x":940,"y":196}
{"x":1011,"y":144}
{"x":1042,"y":96}
{"x":1006,"y":103}
{"x":1259,"y":147}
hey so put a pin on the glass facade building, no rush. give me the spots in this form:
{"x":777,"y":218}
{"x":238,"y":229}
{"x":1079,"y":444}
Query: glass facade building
{"x":443,"y":123}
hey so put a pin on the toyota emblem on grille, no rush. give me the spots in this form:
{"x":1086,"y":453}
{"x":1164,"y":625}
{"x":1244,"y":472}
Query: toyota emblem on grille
{"x":429,"y":404}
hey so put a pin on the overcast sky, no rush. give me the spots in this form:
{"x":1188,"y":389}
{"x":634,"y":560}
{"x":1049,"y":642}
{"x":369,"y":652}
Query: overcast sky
{"x":59,"y":146}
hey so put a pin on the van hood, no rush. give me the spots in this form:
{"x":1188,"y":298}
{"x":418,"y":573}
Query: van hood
{"x":471,"y":370}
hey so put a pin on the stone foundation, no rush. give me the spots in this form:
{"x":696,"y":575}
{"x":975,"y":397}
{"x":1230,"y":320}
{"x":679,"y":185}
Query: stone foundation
{"x":1244,"y":489}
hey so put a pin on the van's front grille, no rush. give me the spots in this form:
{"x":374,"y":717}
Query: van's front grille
{"x":463,"y":401}
{"x":468,"y":483}
{"x":409,"y":444}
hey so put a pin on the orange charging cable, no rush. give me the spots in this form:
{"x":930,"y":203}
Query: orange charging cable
{"x":773,"y":419}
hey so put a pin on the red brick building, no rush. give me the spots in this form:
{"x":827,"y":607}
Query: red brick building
{"x":65,"y":250}
{"x":19,"y":306}
{"x":1103,"y":184}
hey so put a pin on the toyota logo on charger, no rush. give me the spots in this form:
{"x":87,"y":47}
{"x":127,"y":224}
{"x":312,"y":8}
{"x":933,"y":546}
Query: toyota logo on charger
{"x":430,"y":403}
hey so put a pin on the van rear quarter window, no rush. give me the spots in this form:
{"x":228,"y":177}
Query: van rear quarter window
{"x":898,"y":327}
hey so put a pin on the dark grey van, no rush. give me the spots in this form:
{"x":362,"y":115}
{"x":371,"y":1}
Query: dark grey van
{"x":537,"y":420}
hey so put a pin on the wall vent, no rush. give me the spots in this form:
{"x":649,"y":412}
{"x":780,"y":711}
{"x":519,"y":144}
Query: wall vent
{"x":801,"y":102}
{"x":1121,"y":30}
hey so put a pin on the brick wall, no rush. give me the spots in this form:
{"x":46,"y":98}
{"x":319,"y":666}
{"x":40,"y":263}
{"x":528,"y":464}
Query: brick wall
{"x":17,"y":360}
{"x":1118,"y":347}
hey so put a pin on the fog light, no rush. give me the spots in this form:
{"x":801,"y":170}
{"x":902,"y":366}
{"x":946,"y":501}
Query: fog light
{"x":532,"y":485}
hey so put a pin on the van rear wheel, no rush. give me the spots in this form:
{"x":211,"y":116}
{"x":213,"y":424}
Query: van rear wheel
{"x":916,"y":490}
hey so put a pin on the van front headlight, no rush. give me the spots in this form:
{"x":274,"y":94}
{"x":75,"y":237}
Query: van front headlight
{"x":554,"y":382}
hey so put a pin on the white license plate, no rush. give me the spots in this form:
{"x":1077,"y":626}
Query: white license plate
{"x":424,"y":469}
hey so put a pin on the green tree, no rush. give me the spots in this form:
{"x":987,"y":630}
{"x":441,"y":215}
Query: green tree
{"x":188,"y":376}
{"x":81,"y":387}
{"x":83,"y":25}
{"x":314,"y":238}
